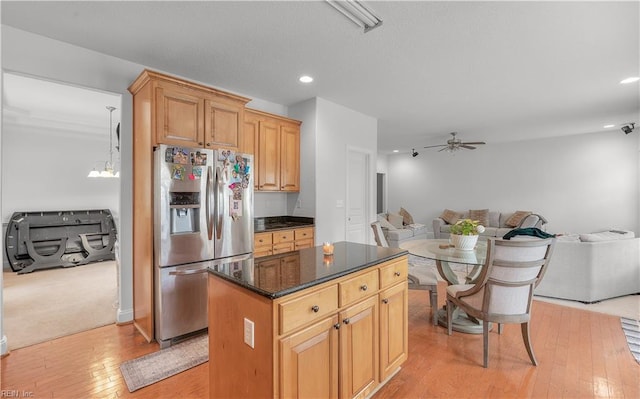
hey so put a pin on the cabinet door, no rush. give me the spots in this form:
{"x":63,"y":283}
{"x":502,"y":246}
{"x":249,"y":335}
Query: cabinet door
{"x":393,"y":329}
{"x":267,"y":275}
{"x":289,"y":158}
{"x":309,"y":362}
{"x":179,"y":116}
{"x":223,"y":124}
{"x":359,"y":349}
{"x":268,"y":156}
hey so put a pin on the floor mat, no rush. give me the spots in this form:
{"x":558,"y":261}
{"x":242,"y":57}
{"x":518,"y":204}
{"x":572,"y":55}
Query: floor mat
{"x":631,"y":330}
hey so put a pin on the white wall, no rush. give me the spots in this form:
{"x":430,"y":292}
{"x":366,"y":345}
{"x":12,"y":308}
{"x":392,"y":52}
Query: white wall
{"x":580,"y":183}
{"x":337,"y":128}
{"x":304,"y":202}
{"x":35,"y":55}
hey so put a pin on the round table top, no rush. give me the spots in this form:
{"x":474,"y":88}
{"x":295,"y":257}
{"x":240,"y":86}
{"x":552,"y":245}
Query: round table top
{"x":440,"y":249}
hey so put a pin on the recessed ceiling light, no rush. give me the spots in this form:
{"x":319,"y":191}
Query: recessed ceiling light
{"x":396,"y":150}
{"x":630,"y":80}
{"x":306,"y":79}
{"x":608,"y":126}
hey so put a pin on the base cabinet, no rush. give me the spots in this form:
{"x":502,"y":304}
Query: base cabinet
{"x":339,"y":339}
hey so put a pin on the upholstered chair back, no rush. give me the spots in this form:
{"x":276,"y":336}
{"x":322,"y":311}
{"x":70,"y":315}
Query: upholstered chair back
{"x":381,"y":240}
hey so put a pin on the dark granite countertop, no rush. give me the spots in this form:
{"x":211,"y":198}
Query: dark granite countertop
{"x":272,"y":278}
{"x":273,"y":223}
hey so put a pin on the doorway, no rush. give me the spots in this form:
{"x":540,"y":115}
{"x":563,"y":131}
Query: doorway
{"x":53,"y":135}
{"x":358,"y":195}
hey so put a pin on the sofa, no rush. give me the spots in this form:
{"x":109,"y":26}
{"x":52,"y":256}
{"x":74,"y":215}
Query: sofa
{"x":399,"y":227}
{"x":496,"y":224}
{"x":593,"y":267}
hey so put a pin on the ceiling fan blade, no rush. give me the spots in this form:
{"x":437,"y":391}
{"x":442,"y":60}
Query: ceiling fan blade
{"x":468,"y":147}
{"x":439,"y":145}
{"x":475,"y":142}
{"x":445,"y":148}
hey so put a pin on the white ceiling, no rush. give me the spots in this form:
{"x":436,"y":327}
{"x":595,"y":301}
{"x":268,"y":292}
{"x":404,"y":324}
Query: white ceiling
{"x":492,"y":71}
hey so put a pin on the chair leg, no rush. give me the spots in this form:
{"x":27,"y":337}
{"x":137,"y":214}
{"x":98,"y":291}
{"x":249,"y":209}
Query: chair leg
{"x":527,"y":342}
{"x":449,"y":316}
{"x":433,"y":294}
{"x":485,"y":339}
{"x":500,"y":328}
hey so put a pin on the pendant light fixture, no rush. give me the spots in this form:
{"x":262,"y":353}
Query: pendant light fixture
{"x":108,"y":165}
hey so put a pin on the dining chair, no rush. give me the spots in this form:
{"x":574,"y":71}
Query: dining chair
{"x":504,"y":290}
{"x":421,"y":277}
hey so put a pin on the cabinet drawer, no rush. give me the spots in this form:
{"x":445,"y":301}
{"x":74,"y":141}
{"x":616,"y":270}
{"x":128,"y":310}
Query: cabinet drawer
{"x":262,"y":239}
{"x":304,"y":233}
{"x":308,"y":308}
{"x":358,"y":287}
{"x":283,"y":236}
{"x":262,"y":251}
{"x":283,"y":247}
{"x":301,"y":244}
{"x":393,"y":273}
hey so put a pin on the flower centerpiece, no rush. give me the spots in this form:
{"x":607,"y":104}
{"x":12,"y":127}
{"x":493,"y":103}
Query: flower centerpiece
{"x":464,"y":233}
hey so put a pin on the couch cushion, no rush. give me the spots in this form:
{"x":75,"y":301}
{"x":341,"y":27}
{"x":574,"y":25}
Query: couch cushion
{"x":515,"y":219}
{"x":399,"y":234}
{"x":384,"y":223}
{"x":406,"y":216}
{"x":607,"y":236}
{"x":396,"y":220}
{"x":481,"y":215}
{"x":450,"y":216}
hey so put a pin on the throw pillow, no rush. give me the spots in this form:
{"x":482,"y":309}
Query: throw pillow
{"x":384,"y":223}
{"x":449,"y":216}
{"x":406,"y":216}
{"x":516,"y":218}
{"x":396,"y":220}
{"x":481,"y":215}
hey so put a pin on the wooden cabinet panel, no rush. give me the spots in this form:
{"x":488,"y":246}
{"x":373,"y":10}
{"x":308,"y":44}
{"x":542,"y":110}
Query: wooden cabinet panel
{"x":393,"y":274}
{"x":290,"y":158}
{"x":309,"y":362}
{"x":268,"y":156}
{"x":359,"y":349}
{"x":283,"y":236}
{"x":394,"y":331}
{"x":179,"y":115}
{"x":223,"y":125}
{"x":283,"y":247}
{"x":305,"y":309}
{"x":282,"y":241}
{"x":303,"y":233}
{"x":358,"y":287}
{"x":276,"y":149}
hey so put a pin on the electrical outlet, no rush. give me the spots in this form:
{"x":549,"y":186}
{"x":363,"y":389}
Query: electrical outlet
{"x":248,"y":332}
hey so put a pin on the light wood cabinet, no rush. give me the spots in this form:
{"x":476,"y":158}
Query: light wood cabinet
{"x":179,"y":115}
{"x":223,"y":124}
{"x":276,"y":148}
{"x":281,"y":241}
{"x":334,"y":340}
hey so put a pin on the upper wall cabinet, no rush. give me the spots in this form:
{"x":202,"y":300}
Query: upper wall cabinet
{"x":275,"y":142}
{"x":191,"y":115}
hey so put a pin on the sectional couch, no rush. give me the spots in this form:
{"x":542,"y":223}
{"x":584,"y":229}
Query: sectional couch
{"x":593,"y":267}
{"x":497,"y":225}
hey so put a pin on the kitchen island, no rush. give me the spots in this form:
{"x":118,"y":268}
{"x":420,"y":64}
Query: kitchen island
{"x":303,"y":324}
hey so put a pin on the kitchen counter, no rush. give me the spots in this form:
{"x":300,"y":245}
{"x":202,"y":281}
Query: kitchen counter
{"x":273,"y":223}
{"x":306,"y":267}
{"x":301,"y":324}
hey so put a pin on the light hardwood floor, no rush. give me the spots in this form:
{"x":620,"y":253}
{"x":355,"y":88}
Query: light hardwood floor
{"x":581,"y":354}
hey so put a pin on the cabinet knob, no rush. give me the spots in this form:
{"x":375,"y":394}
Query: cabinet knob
{"x":364,"y":287}
{"x":397,"y":274}
{"x":385,"y":301}
{"x":346,"y":321}
{"x":200,"y":143}
{"x":208,"y":144}
{"x":315,"y":308}
{"x":336,"y":326}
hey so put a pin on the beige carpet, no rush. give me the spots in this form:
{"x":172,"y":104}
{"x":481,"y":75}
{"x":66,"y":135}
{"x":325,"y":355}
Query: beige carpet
{"x":53,"y":303}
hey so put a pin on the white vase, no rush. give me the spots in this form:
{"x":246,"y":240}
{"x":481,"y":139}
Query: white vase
{"x":464,"y":243}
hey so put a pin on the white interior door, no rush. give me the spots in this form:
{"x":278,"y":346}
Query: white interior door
{"x":358,"y":196}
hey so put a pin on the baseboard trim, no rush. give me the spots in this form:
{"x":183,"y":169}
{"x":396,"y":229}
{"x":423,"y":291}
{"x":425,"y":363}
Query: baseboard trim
{"x":124,"y":316}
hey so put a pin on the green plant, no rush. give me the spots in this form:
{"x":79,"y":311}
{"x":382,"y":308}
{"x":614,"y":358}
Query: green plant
{"x":467,"y":227}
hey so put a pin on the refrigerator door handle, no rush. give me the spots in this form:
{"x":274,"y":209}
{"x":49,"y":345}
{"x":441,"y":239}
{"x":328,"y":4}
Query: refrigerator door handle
{"x":208,"y":199}
{"x":219,"y":202}
{"x":188,"y":272}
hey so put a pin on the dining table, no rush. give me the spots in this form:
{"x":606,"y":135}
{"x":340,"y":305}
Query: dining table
{"x":455,"y":266}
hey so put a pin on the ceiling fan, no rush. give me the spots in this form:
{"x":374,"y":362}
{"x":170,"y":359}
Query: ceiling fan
{"x":454,"y":144}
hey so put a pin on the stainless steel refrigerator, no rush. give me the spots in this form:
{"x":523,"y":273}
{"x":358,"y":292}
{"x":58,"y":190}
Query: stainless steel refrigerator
{"x":203,"y":207}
